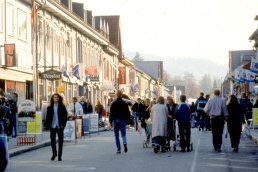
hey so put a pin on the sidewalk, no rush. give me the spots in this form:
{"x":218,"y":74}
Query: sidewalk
{"x":42,"y":140}
{"x":254,"y":135}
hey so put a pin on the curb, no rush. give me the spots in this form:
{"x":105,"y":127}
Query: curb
{"x":18,"y":151}
{"x":21,"y":150}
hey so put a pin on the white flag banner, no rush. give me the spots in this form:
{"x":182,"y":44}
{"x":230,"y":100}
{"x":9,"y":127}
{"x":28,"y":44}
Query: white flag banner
{"x":254,"y":66}
{"x":250,"y":76}
{"x":243,"y":75}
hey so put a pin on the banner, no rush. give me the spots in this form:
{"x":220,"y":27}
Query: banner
{"x":35,"y":127}
{"x":255,"y":116}
{"x":122,"y":75}
{"x":254,"y":66}
{"x":250,"y":76}
{"x":76,"y":71}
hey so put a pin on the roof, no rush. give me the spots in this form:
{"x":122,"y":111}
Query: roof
{"x":152,"y":68}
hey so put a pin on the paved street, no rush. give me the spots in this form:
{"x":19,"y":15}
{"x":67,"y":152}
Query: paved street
{"x":97,"y":153}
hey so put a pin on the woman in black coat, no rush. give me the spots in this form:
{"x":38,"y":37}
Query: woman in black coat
{"x":56,"y":121}
{"x":234,"y":121}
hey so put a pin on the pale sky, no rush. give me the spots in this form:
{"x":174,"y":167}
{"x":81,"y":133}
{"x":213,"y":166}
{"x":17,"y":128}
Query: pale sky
{"x":205,"y":29}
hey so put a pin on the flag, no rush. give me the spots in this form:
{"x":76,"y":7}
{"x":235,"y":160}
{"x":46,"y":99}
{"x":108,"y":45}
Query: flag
{"x":254,"y":66}
{"x":76,"y":71}
{"x":250,"y":76}
{"x":65,"y":73}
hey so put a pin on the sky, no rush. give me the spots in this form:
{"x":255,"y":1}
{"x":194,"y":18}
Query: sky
{"x":205,"y":29}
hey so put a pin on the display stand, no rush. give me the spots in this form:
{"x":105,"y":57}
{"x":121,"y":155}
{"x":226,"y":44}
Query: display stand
{"x":29,"y":123}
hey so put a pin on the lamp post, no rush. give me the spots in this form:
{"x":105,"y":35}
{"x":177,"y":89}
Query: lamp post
{"x":35,"y":8}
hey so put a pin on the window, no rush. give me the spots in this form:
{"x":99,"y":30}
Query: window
{"x":22,"y":24}
{"x":9,"y":19}
{"x":79,"y":51}
{"x":48,"y":39}
{"x":1,"y":15}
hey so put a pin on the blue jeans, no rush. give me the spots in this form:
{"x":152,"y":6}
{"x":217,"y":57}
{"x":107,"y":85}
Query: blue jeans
{"x":120,"y":124}
{"x":136,"y":118}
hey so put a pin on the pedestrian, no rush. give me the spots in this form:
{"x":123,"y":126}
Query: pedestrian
{"x":137,"y":108}
{"x":199,"y":106}
{"x":159,"y":118}
{"x":217,"y":110}
{"x":246,"y":107}
{"x":119,"y":117}
{"x":171,"y":105}
{"x":83,"y":104}
{"x":144,"y":116}
{"x":11,"y":103}
{"x":74,"y":108}
{"x":234,"y":121}
{"x":56,"y":121}
{"x":207,"y":120}
{"x":183,"y":116}
{"x":3,"y":112}
{"x":3,"y":156}
{"x":99,"y":109}
{"x":89,"y":108}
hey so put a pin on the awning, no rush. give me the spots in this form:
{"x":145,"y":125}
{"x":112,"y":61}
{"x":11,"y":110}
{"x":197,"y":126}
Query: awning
{"x":12,"y":75}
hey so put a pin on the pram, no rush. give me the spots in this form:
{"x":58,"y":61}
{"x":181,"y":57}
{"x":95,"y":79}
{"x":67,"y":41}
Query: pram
{"x":177,"y":139}
{"x":146,"y":143}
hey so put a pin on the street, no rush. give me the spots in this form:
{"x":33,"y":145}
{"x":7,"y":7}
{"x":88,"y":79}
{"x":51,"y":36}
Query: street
{"x":98,"y":153}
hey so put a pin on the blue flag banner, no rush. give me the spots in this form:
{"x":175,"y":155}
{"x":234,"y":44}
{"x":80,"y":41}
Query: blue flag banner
{"x":65,"y":73}
{"x":76,"y":71}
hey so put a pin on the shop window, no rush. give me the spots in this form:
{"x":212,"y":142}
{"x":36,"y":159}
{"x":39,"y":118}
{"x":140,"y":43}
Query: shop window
{"x":22,"y":25}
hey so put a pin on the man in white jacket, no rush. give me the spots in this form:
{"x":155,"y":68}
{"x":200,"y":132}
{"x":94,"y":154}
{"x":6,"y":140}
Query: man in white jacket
{"x":74,"y":108}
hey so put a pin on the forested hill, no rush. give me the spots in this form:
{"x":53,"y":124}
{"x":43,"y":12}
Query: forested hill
{"x":179,"y":66}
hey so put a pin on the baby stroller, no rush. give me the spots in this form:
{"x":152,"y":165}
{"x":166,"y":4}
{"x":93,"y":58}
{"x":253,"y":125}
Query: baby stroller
{"x":171,"y":134}
{"x":146,"y":143}
{"x":177,"y":140}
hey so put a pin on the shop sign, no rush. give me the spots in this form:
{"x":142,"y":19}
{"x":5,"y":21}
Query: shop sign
{"x":51,"y":75}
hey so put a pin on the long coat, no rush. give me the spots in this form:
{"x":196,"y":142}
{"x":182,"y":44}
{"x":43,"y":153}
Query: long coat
{"x":159,"y":116}
{"x":62,"y":116}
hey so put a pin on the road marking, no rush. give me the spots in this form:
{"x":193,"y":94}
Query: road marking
{"x":195,"y":156}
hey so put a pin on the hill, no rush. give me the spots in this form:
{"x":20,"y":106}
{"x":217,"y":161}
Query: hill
{"x":179,"y":66}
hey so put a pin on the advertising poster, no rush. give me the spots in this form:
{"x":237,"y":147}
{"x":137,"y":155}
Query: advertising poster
{"x":86,"y":124}
{"x":94,"y":122}
{"x":78,"y":122}
{"x":35,"y":127}
{"x":255,"y":116}
{"x":69,"y":131}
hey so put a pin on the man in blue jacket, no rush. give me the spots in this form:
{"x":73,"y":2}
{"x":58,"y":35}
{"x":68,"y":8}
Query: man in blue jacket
{"x":182,"y":115}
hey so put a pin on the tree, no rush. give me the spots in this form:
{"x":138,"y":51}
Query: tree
{"x":192,"y":89}
{"x":168,"y":81}
{"x":206,"y":84}
{"x":138,"y":57}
